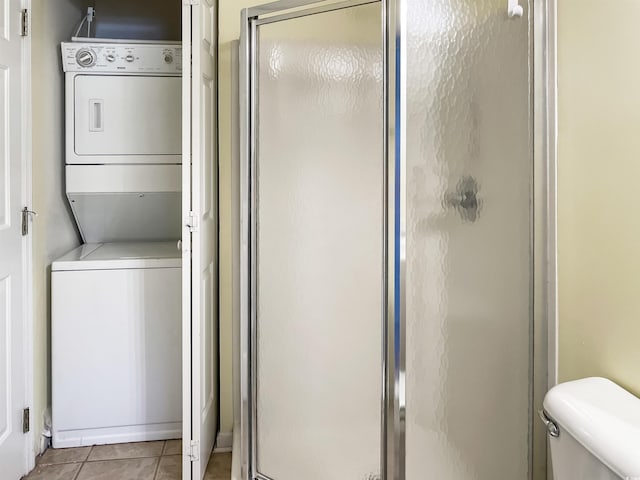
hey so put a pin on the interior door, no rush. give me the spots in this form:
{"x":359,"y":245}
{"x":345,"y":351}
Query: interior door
{"x":13,"y":247}
{"x":200,"y":269}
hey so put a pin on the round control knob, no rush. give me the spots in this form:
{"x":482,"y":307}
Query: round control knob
{"x":130,"y":58}
{"x":111,"y":58}
{"x":86,"y":57}
{"x":168,"y":58}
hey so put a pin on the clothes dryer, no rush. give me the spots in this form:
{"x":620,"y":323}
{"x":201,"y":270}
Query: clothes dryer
{"x":123,"y":139}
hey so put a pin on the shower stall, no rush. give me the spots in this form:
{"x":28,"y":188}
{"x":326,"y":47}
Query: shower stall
{"x":394,"y":188}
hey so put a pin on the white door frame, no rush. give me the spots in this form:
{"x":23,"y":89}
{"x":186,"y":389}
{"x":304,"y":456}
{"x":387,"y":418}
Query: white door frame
{"x":27,"y":200}
{"x":187,"y":386}
{"x":27,"y":265}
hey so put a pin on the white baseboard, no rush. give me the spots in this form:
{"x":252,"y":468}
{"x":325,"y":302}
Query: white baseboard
{"x":224,"y":442}
{"x":110,"y":435}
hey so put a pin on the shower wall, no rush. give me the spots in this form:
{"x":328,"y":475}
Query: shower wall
{"x":469,"y":174}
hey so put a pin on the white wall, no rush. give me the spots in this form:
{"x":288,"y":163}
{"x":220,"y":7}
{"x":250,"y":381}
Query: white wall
{"x":54,"y":231}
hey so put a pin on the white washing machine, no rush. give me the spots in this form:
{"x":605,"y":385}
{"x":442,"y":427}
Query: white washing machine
{"x":116,"y":300}
{"x":116,"y":349}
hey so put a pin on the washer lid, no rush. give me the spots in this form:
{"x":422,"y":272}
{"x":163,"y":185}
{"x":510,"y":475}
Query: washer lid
{"x":603,"y":417}
{"x":119,"y":256}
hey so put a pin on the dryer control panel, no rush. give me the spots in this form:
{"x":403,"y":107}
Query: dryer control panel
{"x":133,"y":58}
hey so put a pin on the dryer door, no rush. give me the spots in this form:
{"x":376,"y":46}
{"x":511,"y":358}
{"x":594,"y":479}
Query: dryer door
{"x":127,"y":119}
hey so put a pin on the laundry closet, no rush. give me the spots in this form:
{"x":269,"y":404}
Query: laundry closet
{"x":133,"y":308}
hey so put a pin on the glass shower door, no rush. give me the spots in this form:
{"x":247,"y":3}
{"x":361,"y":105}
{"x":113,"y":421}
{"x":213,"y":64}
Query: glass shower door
{"x":457,"y":348}
{"x":318,"y":182}
{"x":469,"y":270}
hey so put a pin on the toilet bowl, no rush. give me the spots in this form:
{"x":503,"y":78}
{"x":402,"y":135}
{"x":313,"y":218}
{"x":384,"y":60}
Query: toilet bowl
{"x":594,"y":430}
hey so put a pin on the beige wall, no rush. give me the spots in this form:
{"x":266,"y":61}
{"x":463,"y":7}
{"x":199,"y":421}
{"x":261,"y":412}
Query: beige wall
{"x":599,"y":178}
{"x":54,"y":229}
{"x":229,"y":30}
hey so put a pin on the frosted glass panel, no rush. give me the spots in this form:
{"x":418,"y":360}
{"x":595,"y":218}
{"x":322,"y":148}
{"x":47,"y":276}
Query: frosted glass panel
{"x":319,"y":246}
{"x":468,"y":240}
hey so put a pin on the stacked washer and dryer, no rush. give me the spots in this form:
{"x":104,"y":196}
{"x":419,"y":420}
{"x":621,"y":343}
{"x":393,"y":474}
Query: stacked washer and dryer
{"x":116,"y":300}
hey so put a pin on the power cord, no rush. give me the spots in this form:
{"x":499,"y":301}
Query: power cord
{"x":88,"y":19}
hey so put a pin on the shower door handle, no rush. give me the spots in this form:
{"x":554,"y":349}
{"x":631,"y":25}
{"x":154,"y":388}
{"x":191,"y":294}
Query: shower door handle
{"x":515,"y":9}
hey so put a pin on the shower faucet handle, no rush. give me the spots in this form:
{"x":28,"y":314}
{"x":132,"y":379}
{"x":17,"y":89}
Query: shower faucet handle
{"x":515,"y":9}
{"x":465,"y":199}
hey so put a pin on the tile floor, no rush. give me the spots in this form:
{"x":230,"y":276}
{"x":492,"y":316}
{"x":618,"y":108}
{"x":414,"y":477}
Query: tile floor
{"x":125,"y":461}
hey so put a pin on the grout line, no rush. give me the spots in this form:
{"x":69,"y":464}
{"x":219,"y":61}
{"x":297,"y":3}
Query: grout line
{"x":79,"y":470}
{"x":164,"y":447}
{"x":84,"y":463}
{"x":155,"y":475}
{"x":90,"y":452}
{"x":59,"y":463}
{"x":153,"y":455}
{"x":122,"y":458}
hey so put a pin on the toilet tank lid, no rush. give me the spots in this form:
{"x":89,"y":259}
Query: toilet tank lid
{"x":603,"y":417}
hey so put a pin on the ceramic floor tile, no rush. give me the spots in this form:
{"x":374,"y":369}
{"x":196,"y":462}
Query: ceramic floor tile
{"x":130,"y":469}
{"x":126,"y":450}
{"x":65,"y":471}
{"x":173,"y":447}
{"x":170,"y":468}
{"x":219,"y":467}
{"x":138,"y":461}
{"x":63,"y":455}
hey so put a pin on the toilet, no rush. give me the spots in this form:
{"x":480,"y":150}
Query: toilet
{"x":594,"y":430}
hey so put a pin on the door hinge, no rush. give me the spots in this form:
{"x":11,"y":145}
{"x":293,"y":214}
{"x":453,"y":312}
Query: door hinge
{"x":24,"y":22}
{"x":194,"y":450}
{"x":25,"y":420}
{"x":192,"y":222}
{"x":26,"y":213}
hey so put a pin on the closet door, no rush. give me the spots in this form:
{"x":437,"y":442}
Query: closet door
{"x":200,"y":269}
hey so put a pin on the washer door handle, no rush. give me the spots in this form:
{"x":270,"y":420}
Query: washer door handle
{"x":96,"y":115}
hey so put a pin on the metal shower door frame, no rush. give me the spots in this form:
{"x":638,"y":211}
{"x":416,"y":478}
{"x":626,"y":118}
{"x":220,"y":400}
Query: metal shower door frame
{"x":544,"y":224}
{"x":392,"y":358}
